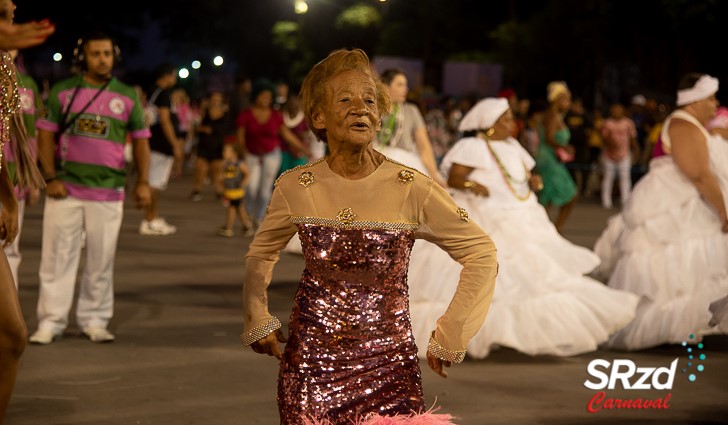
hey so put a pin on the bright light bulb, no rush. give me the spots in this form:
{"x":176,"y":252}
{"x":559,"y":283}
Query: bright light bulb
{"x":300,"y":6}
{"x":183,"y":73}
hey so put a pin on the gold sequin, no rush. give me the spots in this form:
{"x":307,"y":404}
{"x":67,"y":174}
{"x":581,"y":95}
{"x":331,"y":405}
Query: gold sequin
{"x":305,"y":179}
{"x":463,"y":214}
{"x":406,"y":176}
{"x":346,"y":215}
{"x":9,"y":97}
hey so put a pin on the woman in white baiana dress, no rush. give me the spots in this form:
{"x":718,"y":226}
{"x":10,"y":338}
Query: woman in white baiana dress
{"x":544,"y":304}
{"x":670,"y":242}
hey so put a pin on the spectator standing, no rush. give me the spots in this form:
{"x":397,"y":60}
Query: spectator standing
{"x":212,"y":132}
{"x":166,"y":148}
{"x":85,"y":176}
{"x":619,"y":135}
{"x":236,"y":175}
{"x":403,"y":135}
{"x":293,"y":119}
{"x":580,"y":126}
{"x":260,"y":129}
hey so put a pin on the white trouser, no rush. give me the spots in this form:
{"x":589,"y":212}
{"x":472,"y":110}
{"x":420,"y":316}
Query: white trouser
{"x":611,"y":170}
{"x":12,"y":251}
{"x":263,"y":173}
{"x":63,"y":222}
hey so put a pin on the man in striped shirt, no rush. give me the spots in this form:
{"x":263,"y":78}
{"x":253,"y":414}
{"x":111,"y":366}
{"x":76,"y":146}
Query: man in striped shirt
{"x":85,"y":177}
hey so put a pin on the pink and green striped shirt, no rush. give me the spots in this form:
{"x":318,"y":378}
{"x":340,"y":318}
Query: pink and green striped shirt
{"x":90,"y":156}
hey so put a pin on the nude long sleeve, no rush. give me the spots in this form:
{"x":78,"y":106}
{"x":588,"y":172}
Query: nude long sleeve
{"x":275,"y":232}
{"x":448,"y":226}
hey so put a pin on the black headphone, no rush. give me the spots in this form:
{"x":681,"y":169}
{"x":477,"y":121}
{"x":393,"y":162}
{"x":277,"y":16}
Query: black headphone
{"x":79,"y":58}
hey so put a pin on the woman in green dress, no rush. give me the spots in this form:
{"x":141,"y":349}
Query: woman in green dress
{"x":559,"y":189}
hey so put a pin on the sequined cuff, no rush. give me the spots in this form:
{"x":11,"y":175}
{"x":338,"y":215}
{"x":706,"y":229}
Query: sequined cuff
{"x":442,"y":353}
{"x":260,"y":332}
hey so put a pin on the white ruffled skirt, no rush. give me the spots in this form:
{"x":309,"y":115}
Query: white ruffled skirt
{"x":543,"y":304}
{"x":667,"y":247}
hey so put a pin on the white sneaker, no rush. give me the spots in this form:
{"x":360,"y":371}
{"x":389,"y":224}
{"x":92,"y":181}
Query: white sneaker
{"x":98,"y":335}
{"x":156,"y":227}
{"x":42,"y":337}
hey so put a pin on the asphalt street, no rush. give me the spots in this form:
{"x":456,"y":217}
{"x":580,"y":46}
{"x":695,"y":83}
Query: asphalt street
{"x":177,"y":359}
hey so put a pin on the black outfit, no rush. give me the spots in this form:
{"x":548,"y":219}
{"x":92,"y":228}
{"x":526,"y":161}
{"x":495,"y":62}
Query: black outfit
{"x":158,"y":142}
{"x":210,"y":146}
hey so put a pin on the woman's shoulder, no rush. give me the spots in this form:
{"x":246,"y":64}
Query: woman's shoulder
{"x":301,"y":175}
{"x":393,"y":173}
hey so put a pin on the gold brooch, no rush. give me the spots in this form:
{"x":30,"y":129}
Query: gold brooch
{"x":346,"y":215}
{"x":463,"y":214}
{"x":406,"y":176}
{"x":305,"y":179}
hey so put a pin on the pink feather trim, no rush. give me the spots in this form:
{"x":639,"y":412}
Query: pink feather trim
{"x":427,"y":418}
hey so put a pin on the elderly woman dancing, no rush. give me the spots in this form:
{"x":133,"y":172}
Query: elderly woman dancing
{"x":350,"y":355}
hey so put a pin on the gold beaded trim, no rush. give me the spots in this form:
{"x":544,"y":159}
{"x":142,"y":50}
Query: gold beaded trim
{"x":442,"y":353}
{"x":404,"y":165}
{"x":334,"y":222}
{"x":260,"y":332}
{"x":299,"y":167}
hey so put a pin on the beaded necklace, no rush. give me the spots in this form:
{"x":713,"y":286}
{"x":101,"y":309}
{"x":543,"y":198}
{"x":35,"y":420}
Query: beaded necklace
{"x":9,"y":97}
{"x":507,"y":177}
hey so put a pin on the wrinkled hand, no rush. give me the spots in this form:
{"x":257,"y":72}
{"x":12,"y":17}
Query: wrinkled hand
{"x":437,"y":365}
{"x":8,"y":225}
{"x":56,"y":190}
{"x":270,"y":345}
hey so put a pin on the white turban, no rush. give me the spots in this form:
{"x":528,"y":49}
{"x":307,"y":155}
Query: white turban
{"x":705,"y":87}
{"x":484,"y":114}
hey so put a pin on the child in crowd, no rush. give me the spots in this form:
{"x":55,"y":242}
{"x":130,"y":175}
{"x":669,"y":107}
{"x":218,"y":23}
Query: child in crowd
{"x":619,"y":135}
{"x":235,"y":178}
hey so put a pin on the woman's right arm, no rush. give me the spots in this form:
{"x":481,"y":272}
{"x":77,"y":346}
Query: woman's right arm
{"x":449,"y":227}
{"x":691,"y":157}
{"x":273,"y":235}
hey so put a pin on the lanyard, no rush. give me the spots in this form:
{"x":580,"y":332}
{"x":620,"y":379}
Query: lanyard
{"x":65,"y":122}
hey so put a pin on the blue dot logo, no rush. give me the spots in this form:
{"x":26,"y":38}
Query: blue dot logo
{"x":698,"y":367}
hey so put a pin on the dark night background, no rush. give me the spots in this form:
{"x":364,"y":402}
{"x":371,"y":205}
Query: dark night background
{"x":605,"y":50}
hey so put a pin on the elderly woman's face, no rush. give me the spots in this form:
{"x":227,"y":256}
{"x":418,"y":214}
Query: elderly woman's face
{"x":350,"y":114}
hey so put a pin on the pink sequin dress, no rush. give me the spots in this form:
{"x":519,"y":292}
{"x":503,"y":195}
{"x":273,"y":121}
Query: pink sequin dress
{"x":351,"y":356}
{"x":350,"y":328}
